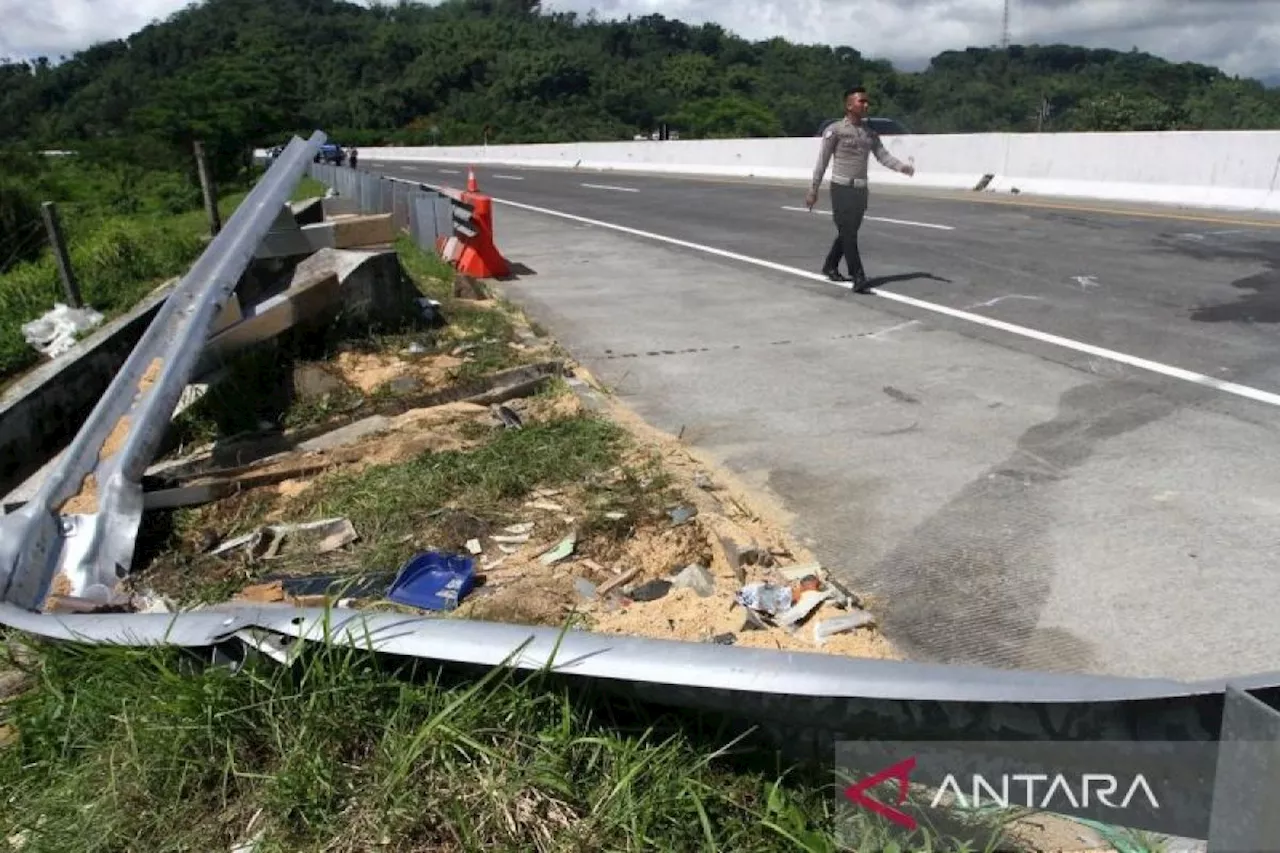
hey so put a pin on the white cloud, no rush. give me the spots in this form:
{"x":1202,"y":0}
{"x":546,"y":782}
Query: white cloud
{"x":56,"y":27}
{"x":1240,"y":36}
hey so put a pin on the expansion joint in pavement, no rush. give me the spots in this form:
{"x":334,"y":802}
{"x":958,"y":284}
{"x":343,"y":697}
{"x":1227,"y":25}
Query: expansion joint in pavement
{"x":610,"y":355}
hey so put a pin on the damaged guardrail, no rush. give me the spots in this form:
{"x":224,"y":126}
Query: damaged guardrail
{"x":77,"y":535}
{"x":807,"y":703}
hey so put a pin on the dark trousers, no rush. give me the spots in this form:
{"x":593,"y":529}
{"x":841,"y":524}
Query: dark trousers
{"x":848,"y":206}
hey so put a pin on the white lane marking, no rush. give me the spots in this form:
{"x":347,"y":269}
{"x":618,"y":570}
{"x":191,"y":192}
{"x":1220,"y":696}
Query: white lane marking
{"x":450,"y":172}
{"x":1169,"y":370}
{"x":878,"y":219}
{"x":608,"y":187}
{"x":909,"y":222}
{"x":507,"y":177}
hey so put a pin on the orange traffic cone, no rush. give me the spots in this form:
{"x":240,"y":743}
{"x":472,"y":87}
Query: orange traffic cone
{"x":472,"y":186}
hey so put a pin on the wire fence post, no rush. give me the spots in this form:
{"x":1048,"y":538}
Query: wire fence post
{"x":206,"y":187}
{"x":58,"y":242}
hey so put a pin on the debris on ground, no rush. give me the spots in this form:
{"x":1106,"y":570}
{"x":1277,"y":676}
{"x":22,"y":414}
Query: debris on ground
{"x":656,"y":543}
{"x":266,"y":542}
{"x":434,"y":581}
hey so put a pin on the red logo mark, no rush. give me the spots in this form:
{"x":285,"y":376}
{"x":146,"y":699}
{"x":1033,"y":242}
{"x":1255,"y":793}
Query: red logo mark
{"x":900,"y":771}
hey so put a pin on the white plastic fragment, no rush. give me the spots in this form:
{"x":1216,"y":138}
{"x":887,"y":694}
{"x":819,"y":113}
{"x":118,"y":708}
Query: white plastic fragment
{"x":560,"y":551}
{"x":808,"y":603}
{"x":55,"y":332}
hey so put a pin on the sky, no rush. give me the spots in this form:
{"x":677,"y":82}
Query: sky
{"x":1240,"y":36}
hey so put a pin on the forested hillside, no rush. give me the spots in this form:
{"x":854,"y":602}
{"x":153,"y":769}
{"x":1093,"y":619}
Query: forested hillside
{"x":246,"y":71}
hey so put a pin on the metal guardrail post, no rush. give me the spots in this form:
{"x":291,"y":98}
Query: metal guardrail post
{"x":368,"y":186}
{"x":93,"y":548}
{"x":1246,"y":788}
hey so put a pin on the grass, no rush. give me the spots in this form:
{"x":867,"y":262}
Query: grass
{"x":307,"y":188}
{"x":127,"y":233}
{"x":126,"y":749}
{"x":486,"y":333}
{"x":114,"y":748}
{"x":398,"y":508}
{"x":386,"y":503}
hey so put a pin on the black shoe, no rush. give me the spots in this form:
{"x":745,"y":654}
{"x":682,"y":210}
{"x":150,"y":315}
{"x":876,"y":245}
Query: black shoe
{"x":860,"y":283}
{"x":834,"y":275}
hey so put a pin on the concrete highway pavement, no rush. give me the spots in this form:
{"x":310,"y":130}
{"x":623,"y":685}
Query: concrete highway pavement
{"x":1198,"y":295}
{"x":1008,"y":500}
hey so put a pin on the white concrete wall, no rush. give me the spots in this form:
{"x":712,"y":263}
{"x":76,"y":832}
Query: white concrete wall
{"x":1222,"y":169}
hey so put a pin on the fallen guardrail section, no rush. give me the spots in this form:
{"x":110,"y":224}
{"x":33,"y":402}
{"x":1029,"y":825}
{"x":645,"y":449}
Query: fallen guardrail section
{"x":1217,"y":743}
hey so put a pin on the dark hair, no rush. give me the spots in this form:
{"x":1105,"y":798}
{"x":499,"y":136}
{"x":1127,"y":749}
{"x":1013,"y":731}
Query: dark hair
{"x":854,"y":90}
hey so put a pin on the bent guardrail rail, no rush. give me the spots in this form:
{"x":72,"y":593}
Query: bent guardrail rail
{"x":77,"y":534}
{"x":805,"y":701}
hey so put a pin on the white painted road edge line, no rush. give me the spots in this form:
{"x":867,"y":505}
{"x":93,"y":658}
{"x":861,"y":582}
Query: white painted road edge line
{"x":450,"y":172}
{"x":608,"y":187}
{"x":1238,"y":390}
{"x":878,"y":219}
{"x":507,"y":177}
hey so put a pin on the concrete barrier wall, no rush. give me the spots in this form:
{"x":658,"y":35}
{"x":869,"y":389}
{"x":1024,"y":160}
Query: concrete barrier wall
{"x":1221,"y":169}
{"x":1231,"y":169}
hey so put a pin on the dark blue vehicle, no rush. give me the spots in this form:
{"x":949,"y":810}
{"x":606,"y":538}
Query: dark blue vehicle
{"x":331,"y":153}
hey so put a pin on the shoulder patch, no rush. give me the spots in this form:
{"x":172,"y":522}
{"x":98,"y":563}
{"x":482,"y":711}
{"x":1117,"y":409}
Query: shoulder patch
{"x":829,"y":132}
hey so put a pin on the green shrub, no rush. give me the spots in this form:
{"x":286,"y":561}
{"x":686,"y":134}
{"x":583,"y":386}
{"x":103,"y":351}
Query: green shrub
{"x":21,"y":234}
{"x":116,"y":265}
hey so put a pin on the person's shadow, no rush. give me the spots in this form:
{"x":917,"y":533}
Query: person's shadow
{"x":876,"y":281}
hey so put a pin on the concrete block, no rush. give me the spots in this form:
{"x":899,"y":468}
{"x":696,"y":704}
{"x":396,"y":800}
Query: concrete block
{"x":308,"y":212}
{"x":352,"y":232}
{"x":285,"y":239}
{"x":308,"y":297}
{"x":228,"y":316}
{"x":374,"y":287}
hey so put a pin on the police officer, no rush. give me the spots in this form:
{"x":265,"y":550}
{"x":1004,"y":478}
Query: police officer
{"x":849,"y":143}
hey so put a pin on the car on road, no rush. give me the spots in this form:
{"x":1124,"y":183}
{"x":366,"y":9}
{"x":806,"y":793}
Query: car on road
{"x":332,"y":153}
{"x":882,"y":126}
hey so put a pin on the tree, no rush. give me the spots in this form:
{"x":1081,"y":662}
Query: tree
{"x":237,"y":73}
